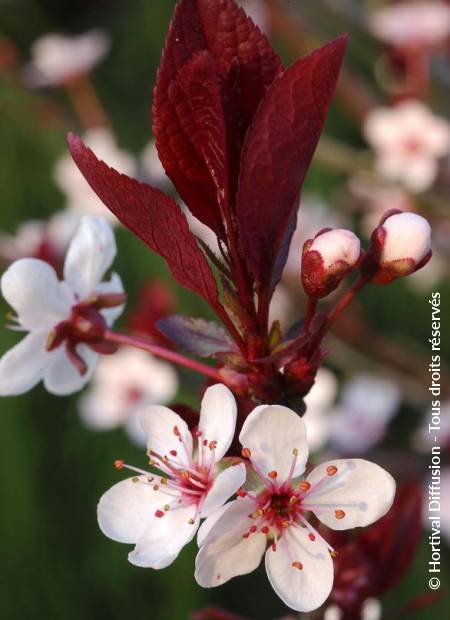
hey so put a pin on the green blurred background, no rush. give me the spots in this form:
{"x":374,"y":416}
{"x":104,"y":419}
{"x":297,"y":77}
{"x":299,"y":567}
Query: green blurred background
{"x":55,"y":563}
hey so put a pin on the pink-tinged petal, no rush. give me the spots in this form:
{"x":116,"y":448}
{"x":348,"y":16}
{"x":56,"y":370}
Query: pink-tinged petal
{"x":62,"y":378}
{"x":225,"y":485}
{"x":22,"y":367}
{"x":273,"y":434}
{"x":31,"y":287}
{"x":226,"y":553}
{"x":125,"y":511}
{"x":113,"y":285}
{"x":89,"y":256}
{"x":348,"y":493}
{"x":165,"y":537}
{"x":167,"y":432}
{"x":218,"y":418}
{"x":207,"y":525}
{"x":300,"y":570}
{"x":102,"y":409}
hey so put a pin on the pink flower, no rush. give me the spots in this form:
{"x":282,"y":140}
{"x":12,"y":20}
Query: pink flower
{"x":161,"y":513}
{"x":420,"y":24}
{"x":408,"y":140}
{"x":274,"y":518}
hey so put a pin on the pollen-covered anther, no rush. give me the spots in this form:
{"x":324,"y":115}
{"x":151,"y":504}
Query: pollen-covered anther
{"x":253,"y":529}
{"x":285,"y":523}
{"x":312,"y":537}
{"x":173,"y":453}
{"x":159,"y":514}
{"x":212,"y":445}
{"x":241,"y":493}
{"x":295,"y":451}
{"x":176,"y":431}
{"x":304,"y":486}
{"x":166,"y":508}
{"x":257,"y":513}
{"x":265,"y":529}
{"x":164,"y":481}
{"x":191,"y":521}
{"x":339,"y":514}
{"x":333,"y":554}
{"x":119,"y":464}
{"x":331,"y":470}
{"x":156,"y":487}
{"x":246,"y":535}
{"x":293,"y":499}
{"x":135,"y":479}
{"x":273,"y":474}
{"x":297,"y":565}
{"x":245,"y":452}
{"x":185,"y":475}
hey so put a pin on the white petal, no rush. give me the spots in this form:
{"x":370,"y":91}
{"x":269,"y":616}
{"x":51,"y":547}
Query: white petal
{"x":164,"y":429}
{"x":225,"y":553}
{"x":113,"y":285}
{"x":207,"y":525}
{"x":101,"y":409}
{"x":126,"y":509}
{"x":90,"y":254}
{"x":165,"y":537}
{"x":306,"y":588}
{"x":22,"y":367}
{"x":31,"y":287}
{"x":272,"y":433}
{"x":363,"y":491}
{"x":225,"y":485}
{"x":62,"y":378}
{"x":218,"y":418}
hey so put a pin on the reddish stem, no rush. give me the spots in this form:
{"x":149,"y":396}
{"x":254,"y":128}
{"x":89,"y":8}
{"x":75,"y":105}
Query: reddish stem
{"x":171,"y":356}
{"x":310,"y":312}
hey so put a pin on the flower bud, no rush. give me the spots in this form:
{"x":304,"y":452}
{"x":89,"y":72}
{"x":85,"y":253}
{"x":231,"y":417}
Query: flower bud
{"x":400,"y":245}
{"x":328,"y":258}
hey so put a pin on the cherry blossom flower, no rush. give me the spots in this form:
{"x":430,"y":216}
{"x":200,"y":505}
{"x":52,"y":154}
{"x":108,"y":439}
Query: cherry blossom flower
{"x":65,"y":319}
{"x":160,"y":514}
{"x":327,"y":259}
{"x":122,"y":386}
{"x":274,"y":519}
{"x":366,"y":406}
{"x":419,"y":24}
{"x":79,"y":196}
{"x":58,"y":58}
{"x":408,"y":140}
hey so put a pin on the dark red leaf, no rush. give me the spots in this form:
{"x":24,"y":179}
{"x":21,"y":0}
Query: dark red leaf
{"x":154,"y":217}
{"x":197,"y":336}
{"x":246,"y":64}
{"x":277,"y":153}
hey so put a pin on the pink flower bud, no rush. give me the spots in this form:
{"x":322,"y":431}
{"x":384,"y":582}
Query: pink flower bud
{"x":400,"y":245}
{"x":328,"y":258}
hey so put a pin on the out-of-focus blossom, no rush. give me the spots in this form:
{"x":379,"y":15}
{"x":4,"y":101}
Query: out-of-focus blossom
{"x":152,"y":167}
{"x":412,"y":25}
{"x":272,"y":520}
{"x":122,"y":386}
{"x":371,"y":610}
{"x":327,"y":259}
{"x":408,"y":140}
{"x":318,"y":403}
{"x":57,"y":58}
{"x":47,"y":241}
{"x":65,"y":320}
{"x":161,"y":514}
{"x":79,"y":196}
{"x":366,"y":405}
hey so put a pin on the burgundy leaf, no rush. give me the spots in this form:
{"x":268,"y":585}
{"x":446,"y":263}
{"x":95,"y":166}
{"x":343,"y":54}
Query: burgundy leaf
{"x":154,"y":217}
{"x":197,"y":336}
{"x":246,"y":64}
{"x":277,"y":153}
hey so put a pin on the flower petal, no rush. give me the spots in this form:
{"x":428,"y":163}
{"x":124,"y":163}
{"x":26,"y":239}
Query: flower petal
{"x":126,"y":509}
{"x":90,"y":254}
{"x":225,"y":485}
{"x":31,"y":287}
{"x":164,"y":429}
{"x":113,"y":285}
{"x":300,"y":570}
{"x":61,"y":377}
{"x":207,"y":525}
{"x":22,"y":367}
{"x":165,"y":537}
{"x":356,"y":495}
{"x":226,"y":553}
{"x":218,"y":418}
{"x":272,"y":433}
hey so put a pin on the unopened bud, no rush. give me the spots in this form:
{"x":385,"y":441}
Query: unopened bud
{"x":327,"y":259}
{"x":400,"y":245}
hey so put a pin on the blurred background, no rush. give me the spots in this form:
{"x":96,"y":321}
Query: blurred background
{"x":89,"y":67}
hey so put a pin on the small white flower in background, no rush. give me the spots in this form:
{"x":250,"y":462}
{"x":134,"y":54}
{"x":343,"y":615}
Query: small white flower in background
{"x":366,"y":406}
{"x":408,"y":140}
{"x":274,"y":518}
{"x":58,"y":58}
{"x":371,"y":610}
{"x":417,"y":25}
{"x":122,"y":386}
{"x":79,"y":196}
{"x":318,"y":404}
{"x":159,"y":514}
{"x":65,"y":319}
